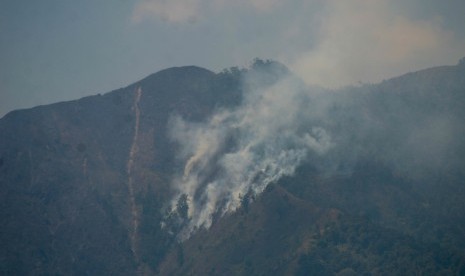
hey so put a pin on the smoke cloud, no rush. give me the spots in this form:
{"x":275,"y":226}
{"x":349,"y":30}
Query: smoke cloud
{"x":402,"y":124}
{"x":242,"y":150}
{"x":182,"y":11}
{"x":369,"y":41}
{"x":326,"y":42}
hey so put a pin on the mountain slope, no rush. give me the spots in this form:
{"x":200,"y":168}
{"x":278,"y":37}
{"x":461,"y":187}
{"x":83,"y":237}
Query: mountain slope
{"x":386,"y":200}
{"x":87,"y":184}
{"x":66,"y":170}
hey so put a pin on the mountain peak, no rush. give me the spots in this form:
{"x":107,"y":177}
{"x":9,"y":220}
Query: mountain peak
{"x":88,"y":186}
{"x":190,"y":71}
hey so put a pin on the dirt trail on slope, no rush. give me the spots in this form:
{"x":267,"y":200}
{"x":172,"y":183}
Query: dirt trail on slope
{"x":129,"y":169}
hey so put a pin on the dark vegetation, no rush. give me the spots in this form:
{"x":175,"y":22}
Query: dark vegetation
{"x":387,"y":201}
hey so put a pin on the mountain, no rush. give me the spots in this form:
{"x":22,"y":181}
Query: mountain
{"x":244,"y":172}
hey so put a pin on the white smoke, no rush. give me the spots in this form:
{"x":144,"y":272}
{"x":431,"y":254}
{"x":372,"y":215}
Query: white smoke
{"x":242,"y":150}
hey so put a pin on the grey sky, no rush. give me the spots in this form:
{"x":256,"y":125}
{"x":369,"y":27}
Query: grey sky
{"x":54,"y":50}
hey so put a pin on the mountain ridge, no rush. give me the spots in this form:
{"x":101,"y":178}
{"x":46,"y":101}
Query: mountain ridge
{"x":66,"y":172}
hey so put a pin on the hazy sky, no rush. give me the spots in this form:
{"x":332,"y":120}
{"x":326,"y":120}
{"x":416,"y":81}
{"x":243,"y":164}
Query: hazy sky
{"x":55,"y":50}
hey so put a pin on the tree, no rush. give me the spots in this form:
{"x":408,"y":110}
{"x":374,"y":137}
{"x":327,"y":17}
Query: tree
{"x":182,"y":207}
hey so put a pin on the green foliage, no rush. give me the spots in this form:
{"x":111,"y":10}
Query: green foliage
{"x":369,"y":249}
{"x":64,"y":195}
{"x":182,"y":207}
{"x":180,"y":255}
{"x":246,"y":200}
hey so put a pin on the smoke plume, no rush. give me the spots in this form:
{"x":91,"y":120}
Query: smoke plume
{"x":239,"y":151}
{"x":404,"y":124}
